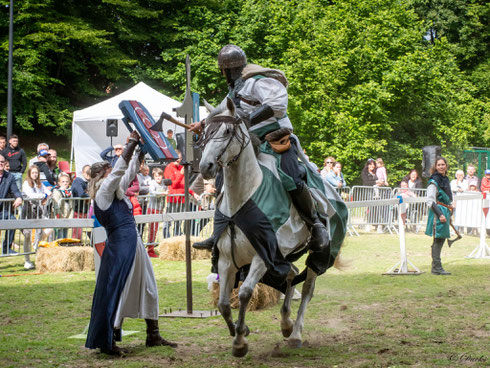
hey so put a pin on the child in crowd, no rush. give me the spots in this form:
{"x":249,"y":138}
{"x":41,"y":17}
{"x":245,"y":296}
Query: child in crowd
{"x":405,"y":192}
{"x":144,"y":182}
{"x":485,"y":182}
{"x":158,"y":191}
{"x":36,"y":195}
{"x":381,"y":173}
{"x":132,"y":193}
{"x":62,"y":205}
{"x":81,"y":205}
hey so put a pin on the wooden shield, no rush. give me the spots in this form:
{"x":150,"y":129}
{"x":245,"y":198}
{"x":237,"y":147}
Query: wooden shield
{"x":156,"y":144}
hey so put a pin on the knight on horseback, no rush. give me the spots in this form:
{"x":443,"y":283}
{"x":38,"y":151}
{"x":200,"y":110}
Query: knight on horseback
{"x":261,"y":100}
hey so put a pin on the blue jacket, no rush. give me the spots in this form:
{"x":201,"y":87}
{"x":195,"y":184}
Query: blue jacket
{"x":110,"y":159}
{"x":8,"y":188}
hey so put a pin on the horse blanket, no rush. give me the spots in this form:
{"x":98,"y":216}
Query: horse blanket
{"x":269,"y":218}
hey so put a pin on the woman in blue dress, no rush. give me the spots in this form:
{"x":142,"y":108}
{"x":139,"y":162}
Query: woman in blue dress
{"x":126,"y":285}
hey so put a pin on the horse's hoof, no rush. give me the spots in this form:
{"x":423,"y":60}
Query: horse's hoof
{"x":286,"y":332}
{"x":294,"y":343}
{"x":240,"y":352}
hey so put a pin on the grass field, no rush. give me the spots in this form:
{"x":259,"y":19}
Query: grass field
{"x":357,"y":318}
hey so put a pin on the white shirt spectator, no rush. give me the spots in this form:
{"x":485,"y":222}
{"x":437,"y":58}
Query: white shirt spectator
{"x":157,"y":192}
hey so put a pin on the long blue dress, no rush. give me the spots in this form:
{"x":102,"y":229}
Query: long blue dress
{"x":126,"y":285}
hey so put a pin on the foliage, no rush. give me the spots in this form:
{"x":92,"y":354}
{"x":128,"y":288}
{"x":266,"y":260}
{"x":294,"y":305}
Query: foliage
{"x":367,"y":78}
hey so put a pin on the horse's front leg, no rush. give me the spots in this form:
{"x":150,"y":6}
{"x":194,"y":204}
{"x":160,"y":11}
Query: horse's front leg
{"x":226,"y":280}
{"x":306,"y":295}
{"x":257,"y":271}
{"x":286,"y":322}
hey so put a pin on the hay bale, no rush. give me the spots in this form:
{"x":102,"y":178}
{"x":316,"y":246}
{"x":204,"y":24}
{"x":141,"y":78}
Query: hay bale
{"x":65,"y":259}
{"x":173,"y":249}
{"x":263,"y":296}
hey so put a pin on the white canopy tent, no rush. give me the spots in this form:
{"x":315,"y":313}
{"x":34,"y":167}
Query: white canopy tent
{"x":89,"y":125}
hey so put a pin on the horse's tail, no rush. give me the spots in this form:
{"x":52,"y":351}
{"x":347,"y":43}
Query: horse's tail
{"x":340,"y":263}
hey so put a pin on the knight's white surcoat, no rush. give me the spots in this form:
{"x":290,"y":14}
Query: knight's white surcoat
{"x":264,"y":90}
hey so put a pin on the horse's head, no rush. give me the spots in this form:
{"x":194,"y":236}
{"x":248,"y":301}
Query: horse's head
{"x":224,"y":138}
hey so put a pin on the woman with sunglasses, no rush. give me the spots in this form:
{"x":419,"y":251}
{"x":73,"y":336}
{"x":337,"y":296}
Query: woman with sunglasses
{"x":327,"y":166}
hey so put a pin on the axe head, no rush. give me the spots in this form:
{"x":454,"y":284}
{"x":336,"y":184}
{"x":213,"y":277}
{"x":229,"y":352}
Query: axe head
{"x":158,"y":126}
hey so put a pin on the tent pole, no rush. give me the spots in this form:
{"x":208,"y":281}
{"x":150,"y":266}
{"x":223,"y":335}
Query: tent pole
{"x":71,"y":148}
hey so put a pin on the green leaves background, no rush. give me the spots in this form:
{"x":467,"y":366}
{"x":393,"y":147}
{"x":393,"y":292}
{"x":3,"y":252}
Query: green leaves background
{"x":368,"y":78}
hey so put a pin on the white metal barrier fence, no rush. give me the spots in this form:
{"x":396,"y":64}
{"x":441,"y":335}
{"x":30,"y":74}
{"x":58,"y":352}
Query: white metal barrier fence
{"x":38,"y":220}
{"x":163,"y":216}
{"x":378,"y":214}
{"x":414,"y":215}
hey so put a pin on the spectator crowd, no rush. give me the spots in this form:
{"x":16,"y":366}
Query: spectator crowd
{"x":50,"y":190}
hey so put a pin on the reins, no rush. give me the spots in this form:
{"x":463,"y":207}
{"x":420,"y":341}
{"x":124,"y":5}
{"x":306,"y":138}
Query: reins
{"x":213,"y":126}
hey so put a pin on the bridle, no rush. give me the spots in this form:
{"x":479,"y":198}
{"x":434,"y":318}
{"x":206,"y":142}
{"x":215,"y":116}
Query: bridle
{"x":212,"y":127}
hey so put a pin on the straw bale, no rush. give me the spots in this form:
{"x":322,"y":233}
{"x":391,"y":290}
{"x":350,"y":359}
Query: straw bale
{"x":173,"y":249}
{"x":65,"y":259}
{"x":263,"y":296}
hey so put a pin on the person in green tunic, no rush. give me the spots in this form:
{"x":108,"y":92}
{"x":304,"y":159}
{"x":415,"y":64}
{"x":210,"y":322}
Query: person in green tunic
{"x":440,"y":204}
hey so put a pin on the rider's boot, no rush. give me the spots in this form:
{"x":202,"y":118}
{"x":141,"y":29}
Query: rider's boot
{"x":303,"y":201}
{"x":206,"y":244}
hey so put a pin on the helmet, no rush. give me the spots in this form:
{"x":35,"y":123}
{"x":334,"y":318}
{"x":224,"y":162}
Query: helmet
{"x":231,"y":56}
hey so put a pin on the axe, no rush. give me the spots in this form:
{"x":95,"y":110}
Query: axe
{"x":458,"y":235}
{"x":158,"y":126}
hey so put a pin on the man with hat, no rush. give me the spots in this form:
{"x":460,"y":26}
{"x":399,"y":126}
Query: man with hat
{"x":261,"y":98}
{"x":118,"y":150}
{"x":47,"y":176}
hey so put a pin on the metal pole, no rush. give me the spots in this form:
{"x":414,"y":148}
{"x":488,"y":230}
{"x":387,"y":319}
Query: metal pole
{"x":9,"y":91}
{"x":187,"y":230}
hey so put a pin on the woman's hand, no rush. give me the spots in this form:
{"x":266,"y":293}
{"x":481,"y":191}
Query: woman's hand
{"x":442,"y":218}
{"x":134,"y":136}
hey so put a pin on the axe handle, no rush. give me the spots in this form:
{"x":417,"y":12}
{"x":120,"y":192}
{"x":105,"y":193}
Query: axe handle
{"x":449,"y":219}
{"x":175,"y":121}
